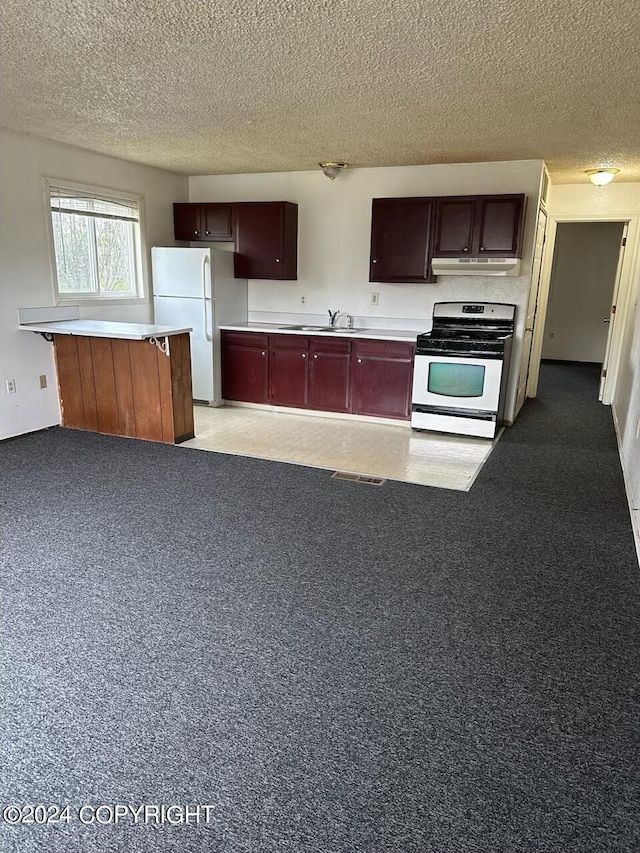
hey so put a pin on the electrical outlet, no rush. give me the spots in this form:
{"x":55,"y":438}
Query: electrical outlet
{"x":43,"y":380}
{"x":303,"y":299}
{"x":10,"y":385}
{"x":375,"y":298}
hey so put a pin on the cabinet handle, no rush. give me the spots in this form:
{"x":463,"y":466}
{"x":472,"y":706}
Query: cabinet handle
{"x":359,"y":361}
{"x":315,"y":356}
{"x":207,"y":232}
{"x":277,"y":260}
{"x":374,"y":260}
{"x":304,"y":355}
{"x":263,"y":352}
{"x":466,"y":249}
{"x":482,"y":248}
{"x":196,"y":232}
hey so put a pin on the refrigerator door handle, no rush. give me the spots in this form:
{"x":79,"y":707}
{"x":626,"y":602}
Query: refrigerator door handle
{"x":204,"y":298}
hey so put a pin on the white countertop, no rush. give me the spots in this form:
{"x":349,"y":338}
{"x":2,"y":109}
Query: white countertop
{"x":281,"y":329}
{"x":105,"y":329}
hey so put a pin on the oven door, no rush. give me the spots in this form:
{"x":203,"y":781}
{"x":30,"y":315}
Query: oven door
{"x":451,"y":382}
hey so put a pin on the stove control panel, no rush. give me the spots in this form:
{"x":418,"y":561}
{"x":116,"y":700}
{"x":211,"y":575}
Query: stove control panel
{"x":473,"y":309}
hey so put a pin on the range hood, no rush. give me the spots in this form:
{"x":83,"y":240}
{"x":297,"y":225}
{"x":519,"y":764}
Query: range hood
{"x":476,"y":266}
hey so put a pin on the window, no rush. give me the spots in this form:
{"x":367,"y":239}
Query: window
{"x":456,"y":380}
{"x":96,"y":242}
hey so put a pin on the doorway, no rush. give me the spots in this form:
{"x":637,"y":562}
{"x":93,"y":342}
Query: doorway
{"x":581,"y":334}
{"x":581,"y":291}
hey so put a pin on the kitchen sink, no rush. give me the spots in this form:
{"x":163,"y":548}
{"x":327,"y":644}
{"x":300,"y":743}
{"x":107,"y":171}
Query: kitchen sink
{"x":305,"y":328}
{"x":339,"y":330}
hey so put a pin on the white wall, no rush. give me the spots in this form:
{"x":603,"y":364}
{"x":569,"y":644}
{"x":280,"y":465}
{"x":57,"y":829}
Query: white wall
{"x":614,"y":200}
{"x":25,"y":273}
{"x":334,"y":241}
{"x":584,"y":271}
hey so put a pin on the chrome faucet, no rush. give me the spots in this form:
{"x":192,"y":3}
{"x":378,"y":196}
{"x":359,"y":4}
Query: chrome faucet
{"x":333,"y":316}
{"x":349,"y":321}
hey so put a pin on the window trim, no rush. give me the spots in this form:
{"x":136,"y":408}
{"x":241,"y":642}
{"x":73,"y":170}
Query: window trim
{"x":91,"y":189}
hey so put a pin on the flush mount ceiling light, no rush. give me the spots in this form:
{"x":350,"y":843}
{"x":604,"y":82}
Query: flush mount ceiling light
{"x":600,"y":177}
{"x":332,"y":170}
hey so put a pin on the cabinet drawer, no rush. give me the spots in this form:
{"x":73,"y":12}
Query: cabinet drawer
{"x":384,"y":349}
{"x":338,"y":345}
{"x":245,"y":339}
{"x":299,"y":342}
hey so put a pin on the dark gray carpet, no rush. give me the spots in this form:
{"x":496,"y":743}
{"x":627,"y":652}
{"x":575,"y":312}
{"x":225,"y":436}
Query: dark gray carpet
{"x":335,"y":668}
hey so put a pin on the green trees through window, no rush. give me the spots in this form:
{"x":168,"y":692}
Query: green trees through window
{"x":97,"y":245}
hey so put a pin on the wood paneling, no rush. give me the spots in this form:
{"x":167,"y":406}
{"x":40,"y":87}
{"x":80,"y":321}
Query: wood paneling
{"x":88,"y":384}
{"x":181,"y":393}
{"x":105,"y":386}
{"x":128,"y":388}
{"x":124,"y":388}
{"x":68,"y":370}
{"x":146,"y":389}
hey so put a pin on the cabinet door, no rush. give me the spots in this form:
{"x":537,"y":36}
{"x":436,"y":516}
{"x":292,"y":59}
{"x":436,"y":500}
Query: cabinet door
{"x":401,"y":239}
{"x":329,"y":374}
{"x":454,"y":227}
{"x":288,"y":370}
{"x":500,"y":220}
{"x":217,"y":222}
{"x":245,"y":367}
{"x":266,"y":235}
{"x":186,"y":221}
{"x":382,"y":375}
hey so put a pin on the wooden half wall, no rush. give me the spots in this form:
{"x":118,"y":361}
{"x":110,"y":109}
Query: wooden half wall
{"x":124,"y":387}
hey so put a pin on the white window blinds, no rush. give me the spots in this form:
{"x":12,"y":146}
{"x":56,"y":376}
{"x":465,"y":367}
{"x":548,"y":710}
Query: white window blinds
{"x":65,"y":200}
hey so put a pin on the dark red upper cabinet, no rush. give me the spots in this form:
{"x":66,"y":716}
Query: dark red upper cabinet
{"x":217,"y":221}
{"x":186,"y":221}
{"x":479,"y":226}
{"x":499,"y":225}
{"x":266,"y":240}
{"x":401,"y":234}
{"x":209,"y":222}
{"x":454,"y":227}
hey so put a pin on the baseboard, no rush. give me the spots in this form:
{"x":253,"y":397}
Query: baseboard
{"x":635,"y":515}
{"x":320,"y":413}
{"x":30,"y":432}
{"x":572,"y":362}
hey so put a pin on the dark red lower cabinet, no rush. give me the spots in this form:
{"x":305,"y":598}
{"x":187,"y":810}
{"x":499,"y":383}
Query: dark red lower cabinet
{"x":330,"y":374}
{"x":245,"y":367}
{"x":288,"y":370}
{"x":381,"y":377}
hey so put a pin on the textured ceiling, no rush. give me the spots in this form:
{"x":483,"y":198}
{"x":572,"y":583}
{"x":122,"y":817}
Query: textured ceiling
{"x":202,"y":87}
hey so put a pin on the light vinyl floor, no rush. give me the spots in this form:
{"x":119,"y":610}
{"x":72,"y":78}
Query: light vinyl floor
{"x":390,"y":451}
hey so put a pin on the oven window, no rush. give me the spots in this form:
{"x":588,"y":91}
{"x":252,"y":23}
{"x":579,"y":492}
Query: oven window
{"x":456,"y":380}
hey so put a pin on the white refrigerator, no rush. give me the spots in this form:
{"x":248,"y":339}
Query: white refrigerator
{"x":196,"y":288}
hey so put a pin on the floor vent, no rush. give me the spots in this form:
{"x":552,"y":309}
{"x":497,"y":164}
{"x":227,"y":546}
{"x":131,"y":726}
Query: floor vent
{"x":358,"y":478}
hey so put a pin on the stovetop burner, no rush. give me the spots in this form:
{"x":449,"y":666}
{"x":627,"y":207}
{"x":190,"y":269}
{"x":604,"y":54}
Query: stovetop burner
{"x":481,"y":326}
{"x":468,"y":334}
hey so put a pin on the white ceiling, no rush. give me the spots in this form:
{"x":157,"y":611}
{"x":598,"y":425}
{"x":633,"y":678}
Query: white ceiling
{"x":203,"y":87}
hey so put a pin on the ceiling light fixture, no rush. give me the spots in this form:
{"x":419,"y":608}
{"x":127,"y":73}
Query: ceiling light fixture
{"x":332,"y":170}
{"x":600,"y":177}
